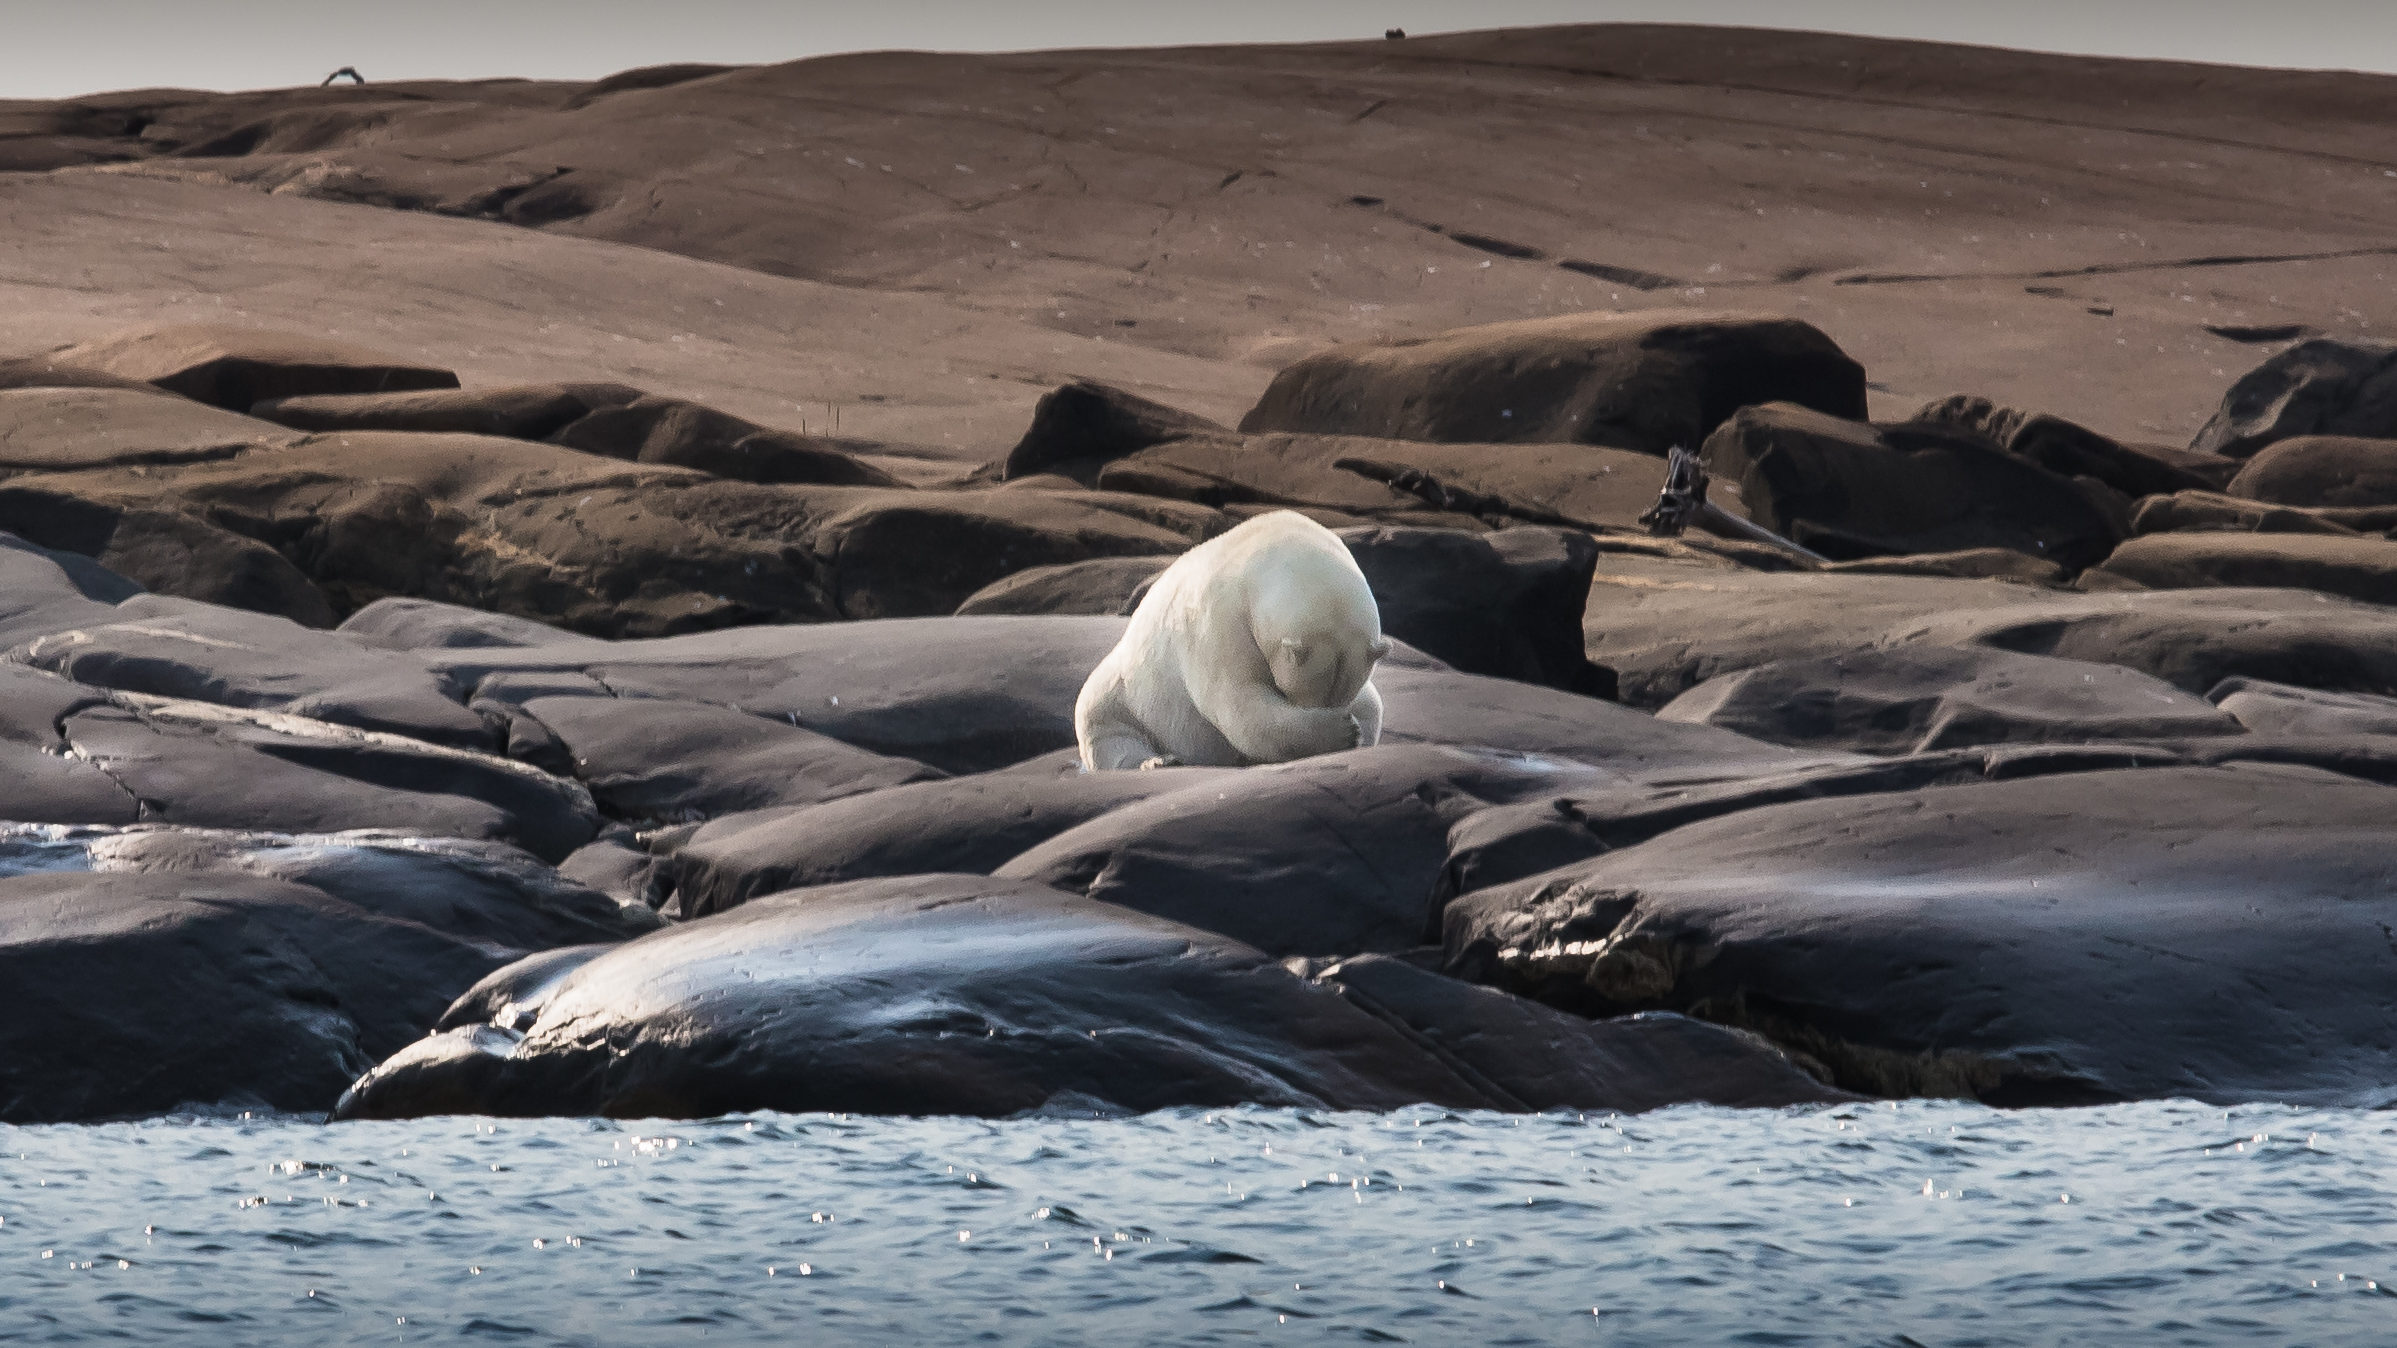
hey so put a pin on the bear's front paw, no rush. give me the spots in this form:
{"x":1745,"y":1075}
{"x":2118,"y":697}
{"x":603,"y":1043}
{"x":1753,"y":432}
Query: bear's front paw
{"x":1160,"y":761}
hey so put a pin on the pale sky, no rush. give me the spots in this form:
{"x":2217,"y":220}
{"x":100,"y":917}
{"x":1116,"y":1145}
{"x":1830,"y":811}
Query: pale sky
{"x":56,"y":48}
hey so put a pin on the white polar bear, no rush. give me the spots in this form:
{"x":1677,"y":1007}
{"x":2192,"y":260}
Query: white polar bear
{"x":1256,"y":646}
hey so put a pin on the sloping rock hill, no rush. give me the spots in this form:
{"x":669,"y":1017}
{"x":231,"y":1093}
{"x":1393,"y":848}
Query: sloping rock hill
{"x":922,"y":243}
{"x":535,"y":598}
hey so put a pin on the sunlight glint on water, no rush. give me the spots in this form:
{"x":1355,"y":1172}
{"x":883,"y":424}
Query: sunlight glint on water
{"x":1945,"y":1224}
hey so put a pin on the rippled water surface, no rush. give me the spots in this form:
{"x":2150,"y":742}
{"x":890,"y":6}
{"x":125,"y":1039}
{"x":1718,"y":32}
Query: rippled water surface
{"x":1930,"y":1224}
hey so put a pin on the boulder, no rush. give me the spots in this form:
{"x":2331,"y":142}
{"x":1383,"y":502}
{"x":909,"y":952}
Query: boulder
{"x":73,"y":754}
{"x":2269,"y":708}
{"x":2199,"y":511}
{"x":614,"y":548}
{"x":519,"y":411}
{"x":960,"y":694}
{"x":1535,"y":1058}
{"x":1642,"y":381}
{"x":657,"y":760}
{"x":682,"y":434}
{"x":1665,"y":625}
{"x":1078,"y":426}
{"x":2356,"y":567}
{"x":397,"y":624}
{"x":49,"y":430}
{"x":1338,"y":855}
{"x":1456,"y":486}
{"x":238,"y":368}
{"x":963,"y":825}
{"x":2324,"y":470}
{"x":498,"y":896}
{"x":965,"y":995}
{"x":2320,"y":386}
{"x":179,"y":648}
{"x":1846,"y":489}
{"x":2204,"y":932}
{"x":1102,"y":585}
{"x":167,"y":551}
{"x":43,"y":590}
{"x":903,"y":554}
{"x":142,"y":993}
{"x":1506,"y":604}
{"x":1918,"y":699}
{"x":2070,"y":450}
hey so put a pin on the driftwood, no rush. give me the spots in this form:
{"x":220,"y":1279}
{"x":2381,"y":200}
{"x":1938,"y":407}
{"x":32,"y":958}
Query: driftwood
{"x":1683,"y":503}
{"x":351,"y":71}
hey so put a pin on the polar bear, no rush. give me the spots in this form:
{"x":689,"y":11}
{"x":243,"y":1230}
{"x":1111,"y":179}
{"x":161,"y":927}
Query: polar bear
{"x":1256,"y":646}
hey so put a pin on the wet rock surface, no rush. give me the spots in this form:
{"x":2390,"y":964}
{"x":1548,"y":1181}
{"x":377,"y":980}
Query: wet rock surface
{"x":2073,"y":938}
{"x":1918,"y":699}
{"x":941,"y":994}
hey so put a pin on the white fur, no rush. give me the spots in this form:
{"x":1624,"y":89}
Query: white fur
{"x":1256,"y":646}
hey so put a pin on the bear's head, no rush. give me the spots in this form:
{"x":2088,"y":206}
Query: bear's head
{"x":1325,"y":669}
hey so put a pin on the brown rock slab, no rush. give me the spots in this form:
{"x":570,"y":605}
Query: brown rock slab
{"x":1847,"y":489}
{"x":167,"y":552}
{"x":1920,"y":699}
{"x":238,"y":368}
{"x":1103,"y":585}
{"x":2323,"y":470}
{"x":520,"y":411}
{"x":2070,"y":450}
{"x":2320,"y":386}
{"x":49,"y":430}
{"x":1635,"y":381}
{"x":2199,"y":511}
{"x":2354,"y":567}
{"x":1667,"y":625}
{"x":675,"y":432}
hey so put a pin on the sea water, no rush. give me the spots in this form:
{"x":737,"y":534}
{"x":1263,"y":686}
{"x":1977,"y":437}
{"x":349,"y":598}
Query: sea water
{"x":1914,"y":1223}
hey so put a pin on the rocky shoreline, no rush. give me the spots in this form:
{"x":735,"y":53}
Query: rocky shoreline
{"x":522,"y":597}
{"x":378,"y":746}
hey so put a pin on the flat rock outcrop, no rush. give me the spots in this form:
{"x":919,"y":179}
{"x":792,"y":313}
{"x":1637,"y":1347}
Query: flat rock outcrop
{"x":2358,"y":568}
{"x":2198,"y":511}
{"x":2217,"y":933}
{"x":1645,"y":382}
{"x":1666,"y":625}
{"x":237,"y":368}
{"x":519,"y":411}
{"x":53,"y":430}
{"x":1919,"y":699}
{"x":964,"y":995}
{"x":2269,"y":708}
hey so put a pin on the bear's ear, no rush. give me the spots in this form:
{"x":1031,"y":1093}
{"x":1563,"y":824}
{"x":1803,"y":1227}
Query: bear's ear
{"x":1380,"y":647}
